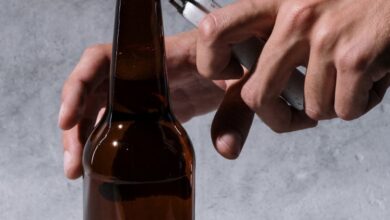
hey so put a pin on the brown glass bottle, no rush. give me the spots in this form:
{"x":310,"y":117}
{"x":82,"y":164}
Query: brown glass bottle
{"x":138,"y":162}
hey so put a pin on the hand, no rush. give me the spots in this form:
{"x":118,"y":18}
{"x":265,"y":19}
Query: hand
{"x":84,"y":93}
{"x":345,"y":45}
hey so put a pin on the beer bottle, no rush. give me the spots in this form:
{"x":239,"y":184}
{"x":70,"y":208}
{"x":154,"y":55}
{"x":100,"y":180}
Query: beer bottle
{"x":138,"y":162}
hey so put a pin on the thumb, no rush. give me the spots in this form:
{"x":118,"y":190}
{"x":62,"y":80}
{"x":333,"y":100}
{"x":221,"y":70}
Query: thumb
{"x":232,"y":122}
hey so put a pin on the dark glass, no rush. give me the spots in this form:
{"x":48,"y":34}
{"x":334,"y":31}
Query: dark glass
{"x":138,"y":162}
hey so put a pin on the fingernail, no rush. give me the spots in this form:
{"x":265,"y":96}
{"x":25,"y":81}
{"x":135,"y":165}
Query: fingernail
{"x":230,"y":145}
{"x":67,"y":160}
{"x":60,"y":114}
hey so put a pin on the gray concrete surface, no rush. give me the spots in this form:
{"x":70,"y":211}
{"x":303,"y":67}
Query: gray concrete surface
{"x":338,"y":171}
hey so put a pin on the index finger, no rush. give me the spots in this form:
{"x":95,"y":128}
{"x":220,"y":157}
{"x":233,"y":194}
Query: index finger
{"x":282,"y":53}
{"x":227,"y":26}
{"x":91,"y":70}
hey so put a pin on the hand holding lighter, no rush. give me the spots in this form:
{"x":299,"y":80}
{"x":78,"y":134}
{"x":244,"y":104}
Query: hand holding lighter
{"x":247,"y":52}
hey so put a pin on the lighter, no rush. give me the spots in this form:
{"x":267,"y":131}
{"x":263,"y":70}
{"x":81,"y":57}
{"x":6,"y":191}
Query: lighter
{"x":247,"y":52}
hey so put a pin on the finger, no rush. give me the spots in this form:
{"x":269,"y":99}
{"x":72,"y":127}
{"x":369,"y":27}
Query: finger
{"x":358,"y":68}
{"x":73,"y":142}
{"x":72,"y":106}
{"x":319,"y":89}
{"x":195,"y":99}
{"x":227,"y":26}
{"x":379,"y":71}
{"x":72,"y":166}
{"x":232,"y":122}
{"x":378,"y":91}
{"x":75,"y":138}
{"x":181,"y":57}
{"x":352,"y":93}
{"x":89,"y":73}
{"x":281,"y":55}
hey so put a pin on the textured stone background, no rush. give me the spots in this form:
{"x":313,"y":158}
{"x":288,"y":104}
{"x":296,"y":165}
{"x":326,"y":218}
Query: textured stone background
{"x":338,"y":171}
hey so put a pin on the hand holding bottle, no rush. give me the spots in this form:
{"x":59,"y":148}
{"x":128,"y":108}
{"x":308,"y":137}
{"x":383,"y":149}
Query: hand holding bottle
{"x":84,"y":94}
{"x":346,"y":55}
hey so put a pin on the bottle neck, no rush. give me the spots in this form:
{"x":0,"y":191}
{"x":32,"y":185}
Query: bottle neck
{"x":137,"y":81}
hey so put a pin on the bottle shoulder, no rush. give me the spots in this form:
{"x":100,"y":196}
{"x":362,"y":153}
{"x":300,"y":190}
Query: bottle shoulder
{"x":139,"y":150}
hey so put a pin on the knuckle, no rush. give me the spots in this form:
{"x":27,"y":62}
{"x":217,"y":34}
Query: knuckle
{"x":255,"y":100}
{"x":315,"y":113}
{"x":209,"y":28}
{"x":204,"y":68}
{"x":324,"y":38}
{"x":205,"y":72}
{"x":352,"y":61}
{"x":319,"y":112}
{"x":247,"y":96}
{"x":301,"y":14}
{"x":67,"y":88}
{"x":347,"y":114}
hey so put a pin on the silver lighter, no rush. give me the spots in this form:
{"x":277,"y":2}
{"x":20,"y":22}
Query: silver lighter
{"x":247,"y":52}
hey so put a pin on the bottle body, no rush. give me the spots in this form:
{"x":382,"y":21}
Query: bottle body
{"x":138,"y":162}
{"x":141,"y":170}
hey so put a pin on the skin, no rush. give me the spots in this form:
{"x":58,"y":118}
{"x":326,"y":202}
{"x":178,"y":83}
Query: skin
{"x":84,"y":96}
{"x":345,"y":45}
